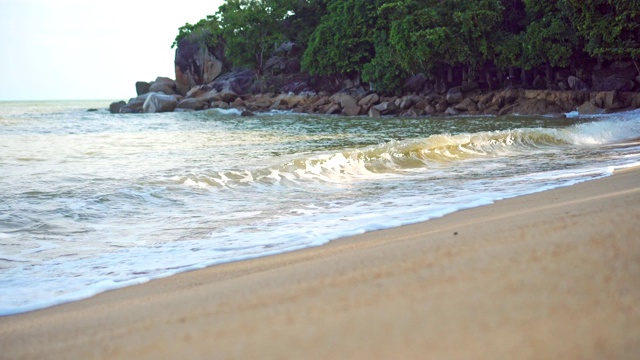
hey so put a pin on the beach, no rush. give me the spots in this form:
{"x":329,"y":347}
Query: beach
{"x":550,"y":275}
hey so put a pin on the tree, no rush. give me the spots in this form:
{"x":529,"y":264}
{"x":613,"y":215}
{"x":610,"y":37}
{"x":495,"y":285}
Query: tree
{"x":252,"y":29}
{"x":206,"y":30}
{"x":610,"y":28}
{"x":549,"y":39}
{"x":343,"y":41}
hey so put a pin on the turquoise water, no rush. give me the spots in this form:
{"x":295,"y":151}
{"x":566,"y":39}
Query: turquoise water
{"x":91,"y":201}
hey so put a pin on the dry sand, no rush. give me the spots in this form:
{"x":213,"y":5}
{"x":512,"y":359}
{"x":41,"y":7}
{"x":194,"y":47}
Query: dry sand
{"x":555,"y":275}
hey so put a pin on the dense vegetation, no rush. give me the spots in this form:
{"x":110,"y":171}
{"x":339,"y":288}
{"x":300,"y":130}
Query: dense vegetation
{"x":383,"y":41}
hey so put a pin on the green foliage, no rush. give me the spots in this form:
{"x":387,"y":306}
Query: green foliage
{"x":610,"y":28}
{"x":549,"y":37}
{"x":252,"y":29}
{"x":384,"y":71}
{"x":383,"y":41}
{"x":343,"y":41}
{"x":207,"y":30}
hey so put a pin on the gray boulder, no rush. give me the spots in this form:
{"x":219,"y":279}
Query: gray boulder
{"x":142,"y":87}
{"x":115,"y":107}
{"x":588,"y":108}
{"x":157,"y":103}
{"x":191,"y":104}
{"x":454,"y":95}
{"x":576,"y":84}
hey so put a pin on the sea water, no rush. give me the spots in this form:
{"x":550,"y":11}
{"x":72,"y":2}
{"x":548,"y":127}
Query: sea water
{"x":91,"y":201}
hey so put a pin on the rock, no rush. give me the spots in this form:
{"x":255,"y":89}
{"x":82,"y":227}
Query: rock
{"x":161,"y":88}
{"x":323,"y":100}
{"x":115,"y":107}
{"x":142,"y":87}
{"x":246,"y":113}
{"x":454,"y":95}
{"x":440,"y":87}
{"x":263,"y":102}
{"x":429,"y":110}
{"x":442,"y":106}
{"x":156,"y":103}
{"x":386,"y":107}
{"x":576,"y":84}
{"x":411,"y":113}
{"x":352,"y":110}
{"x":219,"y":105}
{"x":196,"y":63}
{"x":466,"y":105}
{"x":192,"y":104}
{"x":409,"y":101}
{"x":346,"y":101}
{"x":415,"y":83}
{"x":374,"y":113}
{"x":422,"y":104}
{"x":238,"y":103}
{"x":92,"y":110}
{"x":135,"y":104}
{"x":332,"y":109}
{"x":469,"y":86}
{"x":197,"y":91}
{"x":536,"y":107}
{"x":589,"y":108}
{"x":162,"y":85}
{"x":209,"y":96}
{"x":227,"y":95}
{"x":369,"y":100}
{"x":619,"y":77}
{"x":451,"y":112}
{"x":239,"y":81}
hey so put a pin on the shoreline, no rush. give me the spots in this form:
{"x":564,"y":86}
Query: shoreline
{"x":389,"y":292}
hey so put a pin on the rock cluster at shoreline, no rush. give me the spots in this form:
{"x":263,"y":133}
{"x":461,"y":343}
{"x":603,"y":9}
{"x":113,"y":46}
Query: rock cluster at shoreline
{"x":161,"y":96}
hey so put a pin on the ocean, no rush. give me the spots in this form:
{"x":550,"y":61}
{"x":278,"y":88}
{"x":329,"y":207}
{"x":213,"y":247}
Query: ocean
{"x":92,"y":201}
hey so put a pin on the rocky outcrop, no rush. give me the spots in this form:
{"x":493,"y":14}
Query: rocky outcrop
{"x":196,"y":64}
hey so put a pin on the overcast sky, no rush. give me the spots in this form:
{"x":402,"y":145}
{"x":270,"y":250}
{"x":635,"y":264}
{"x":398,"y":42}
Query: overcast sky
{"x":83,"y":49}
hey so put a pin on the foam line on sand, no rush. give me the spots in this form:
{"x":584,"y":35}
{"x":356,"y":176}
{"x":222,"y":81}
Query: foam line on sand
{"x":549,"y":275}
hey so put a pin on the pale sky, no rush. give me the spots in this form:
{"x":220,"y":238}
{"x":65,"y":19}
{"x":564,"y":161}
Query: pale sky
{"x":84,"y":49}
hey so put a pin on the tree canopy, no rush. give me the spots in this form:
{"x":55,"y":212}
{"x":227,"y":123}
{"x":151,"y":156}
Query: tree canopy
{"x":383,"y":41}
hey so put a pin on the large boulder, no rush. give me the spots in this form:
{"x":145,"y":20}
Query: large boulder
{"x":369,"y":100}
{"x":577,"y":84}
{"x":239,"y":81}
{"x":588,"y":108}
{"x":115,"y":107}
{"x":454,"y":95}
{"x":135,"y":104}
{"x":466,"y":105}
{"x":619,"y":76}
{"x":191,"y":104}
{"x":156,"y":103}
{"x":163,"y":85}
{"x":416,"y":83}
{"x":142,"y":87}
{"x":196,"y":63}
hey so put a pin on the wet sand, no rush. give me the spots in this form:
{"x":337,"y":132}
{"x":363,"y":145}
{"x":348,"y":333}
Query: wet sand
{"x":554,"y":275}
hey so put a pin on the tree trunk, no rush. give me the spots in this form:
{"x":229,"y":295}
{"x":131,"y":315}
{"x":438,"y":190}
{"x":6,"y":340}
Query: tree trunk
{"x":548,"y":72}
{"x":523,"y":77}
{"x":450,"y":75}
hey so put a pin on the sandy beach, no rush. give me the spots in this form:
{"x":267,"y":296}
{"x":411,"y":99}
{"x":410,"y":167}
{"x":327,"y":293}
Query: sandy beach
{"x":554,"y":275}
